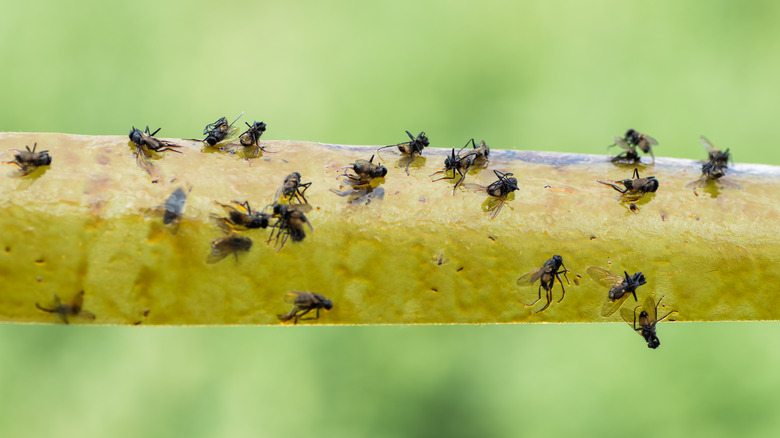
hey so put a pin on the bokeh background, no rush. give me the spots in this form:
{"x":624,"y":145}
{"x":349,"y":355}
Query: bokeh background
{"x":547,"y":75}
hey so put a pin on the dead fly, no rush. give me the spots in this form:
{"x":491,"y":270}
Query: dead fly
{"x":289,"y":223}
{"x":643,"y":141}
{"x":303,"y":303}
{"x":633,"y":189}
{"x":620,"y":288}
{"x":364,"y":172}
{"x":480,"y":152}
{"x":292,"y":188}
{"x":546,"y":276}
{"x":174,"y":207}
{"x":224,"y":246}
{"x":629,"y":154}
{"x":714,"y":168}
{"x":644,"y":324}
{"x":145,"y":143}
{"x":28,"y":160}
{"x":498,"y":191}
{"x":250,"y":139}
{"x":366,"y":177}
{"x":240,"y":217}
{"x":458,"y":164}
{"x":411,"y":149}
{"x":74,"y":308}
{"x":218,"y":131}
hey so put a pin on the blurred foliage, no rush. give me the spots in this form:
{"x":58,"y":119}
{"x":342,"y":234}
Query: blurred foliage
{"x":556,"y":75}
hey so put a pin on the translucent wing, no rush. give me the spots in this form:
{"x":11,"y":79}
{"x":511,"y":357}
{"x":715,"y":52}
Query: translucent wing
{"x":649,"y":307}
{"x":651,"y":140}
{"x":303,"y":208}
{"x":609,"y":307}
{"x":496,"y":207}
{"x":707,"y":144}
{"x":475,"y":187}
{"x":622,"y":143}
{"x":290,"y":297}
{"x":531,"y":277}
{"x":278,"y":194}
{"x":628,"y":316}
{"x":604,"y":277}
{"x":697,"y":183}
{"x":726,"y":184}
{"x":142,"y":160}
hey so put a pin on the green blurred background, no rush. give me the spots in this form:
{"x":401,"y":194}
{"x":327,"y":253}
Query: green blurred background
{"x":554,"y":75}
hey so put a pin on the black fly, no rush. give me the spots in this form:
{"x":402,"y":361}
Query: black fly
{"x":620,"y":288}
{"x":456,"y":163}
{"x":29,"y":160}
{"x":250,"y":139}
{"x":498,"y":191}
{"x":714,"y":168}
{"x":224,"y":246}
{"x":292,"y":188}
{"x":218,"y":131}
{"x":633,"y":189}
{"x":146,"y":143}
{"x":546,"y":275}
{"x":74,"y":308}
{"x":303,"y":303}
{"x":174,"y":207}
{"x":644,"y":324}
{"x":411,"y":149}
{"x":240,"y":217}
{"x":290,"y":220}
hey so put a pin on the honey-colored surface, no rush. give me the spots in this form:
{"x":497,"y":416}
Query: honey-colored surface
{"x":418,"y":255}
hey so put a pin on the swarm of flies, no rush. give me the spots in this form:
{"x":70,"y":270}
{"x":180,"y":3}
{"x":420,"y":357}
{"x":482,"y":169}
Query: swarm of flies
{"x":410,"y":149}
{"x":620,"y":288}
{"x":147,"y":145}
{"x":240,"y":217}
{"x":645,"y":322}
{"x":292,"y":189}
{"x":303,"y":303}
{"x":218,"y":131}
{"x":498,"y":192}
{"x":225,"y":246}
{"x":365,"y":177}
{"x":290,"y":221}
{"x":65,"y":310}
{"x":714,"y":168}
{"x":629,"y":143}
{"x":28,"y":160}
{"x":546,"y":276}
{"x":635,"y":188}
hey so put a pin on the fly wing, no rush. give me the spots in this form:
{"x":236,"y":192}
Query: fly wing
{"x":496,"y":208}
{"x":604,"y":277}
{"x":649,"y":307}
{"x":290,"y":297}
{"x":475,"y":187}
{"x":531,"y":277}
{"x":651,"y":140}
{"x":142,"y":160}
{"x":697,"y":183}
{"x":628,"y":316}
{"x":707,"y":144}
{"x":622,"y":143}
{"x":303,"y":208}
{"x":610,"y":306}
